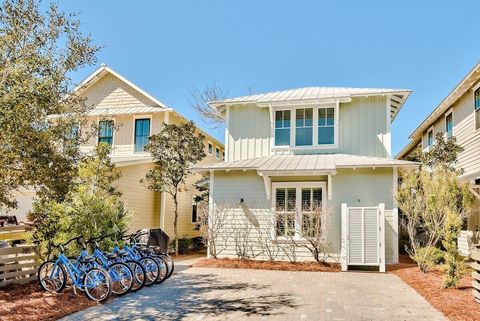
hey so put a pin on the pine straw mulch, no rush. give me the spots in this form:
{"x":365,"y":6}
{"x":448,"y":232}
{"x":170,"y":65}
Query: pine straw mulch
{"x":268,"y":265}
{"x":28,"y":302}
{"x":457,"y":304}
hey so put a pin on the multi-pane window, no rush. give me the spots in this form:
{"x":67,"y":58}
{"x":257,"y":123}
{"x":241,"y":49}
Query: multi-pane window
{"x":304,"y":127}
{"x":105,"y":132}
{"x":449,"y":125}
{"x":285,"y":207}
{"x":298,"y":210}
{"x":326,"y":126}
{"x":282,"y":127}
{"x":210,"y":148}
{"x":142,"y":133}
{"x":430,"y":138}
{"x":311,"y":211}
{"x":476,"y":96}
{"x":217,"y":153}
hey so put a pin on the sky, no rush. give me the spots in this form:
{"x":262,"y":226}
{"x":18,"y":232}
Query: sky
{"x":170,"y":48}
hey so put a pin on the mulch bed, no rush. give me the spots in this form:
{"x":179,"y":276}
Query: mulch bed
{"x":457,"y":304}
{"x":268,"y":265}
{"x":28,"y":302}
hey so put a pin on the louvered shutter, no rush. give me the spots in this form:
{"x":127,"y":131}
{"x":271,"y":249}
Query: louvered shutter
{"x":355,"y":236}
{"x":371,"y":242}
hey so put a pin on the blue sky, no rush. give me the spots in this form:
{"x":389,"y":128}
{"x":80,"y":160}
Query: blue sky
{"x":169,"y":48}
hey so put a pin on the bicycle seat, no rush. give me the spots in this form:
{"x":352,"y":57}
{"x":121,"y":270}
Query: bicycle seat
{"x":146,"y":250}
{"x":110,"y":256}
{"x":87,"y":259}
{"x":122,"y":253}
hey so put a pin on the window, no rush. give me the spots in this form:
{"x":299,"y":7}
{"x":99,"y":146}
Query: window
{"x":298,"y":208}
{"x":430,"y":138}
{"x":105,"y":132}
{"x":210,"y":148}
{"x":282,"y":127}
{"x":304,"y":127}
{"x":70,"y":139}
{"x":217,"y":153}
{"x":476,"y":96}
{"x":142,"y":133}
{"x":195,"y":201}
{"x":223,"y":155}
{"x":326,"y":126}
{"x":449,"y":125}
{"x":285,"y":208}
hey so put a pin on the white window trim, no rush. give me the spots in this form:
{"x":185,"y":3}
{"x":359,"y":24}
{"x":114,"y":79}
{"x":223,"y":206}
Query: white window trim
{"x":427,"y":148}
{"x":448,"y":113}
{"x":208,"y":149}
{"x":476,"y":127}
{"x":298,"y":204}
{"x":135,"y":117}
{"x":113,"y":132}
{"x":315,"y":145}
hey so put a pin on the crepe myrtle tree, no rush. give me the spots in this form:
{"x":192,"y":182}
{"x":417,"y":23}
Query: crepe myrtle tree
{"x":39,"y":49}
{"x":175,"y":150}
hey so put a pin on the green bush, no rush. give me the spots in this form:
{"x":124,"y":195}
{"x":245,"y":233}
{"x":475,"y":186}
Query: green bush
{"x":427,"y":257}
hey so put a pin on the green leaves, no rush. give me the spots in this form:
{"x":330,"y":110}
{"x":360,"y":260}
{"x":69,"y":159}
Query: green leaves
{"x":38,"y":51}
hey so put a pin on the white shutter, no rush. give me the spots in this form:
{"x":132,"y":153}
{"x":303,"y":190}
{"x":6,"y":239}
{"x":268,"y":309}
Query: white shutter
{"x":371,"y":245}
{"x":355,"y":236}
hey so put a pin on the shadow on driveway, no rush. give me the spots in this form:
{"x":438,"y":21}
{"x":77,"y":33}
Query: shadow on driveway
{"x":191,"y":294}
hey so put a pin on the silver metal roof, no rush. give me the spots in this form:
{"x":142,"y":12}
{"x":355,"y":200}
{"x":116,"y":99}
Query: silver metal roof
{"x":398,"y":96}
{"x":124,"y":110}
{"x":307,"y":163}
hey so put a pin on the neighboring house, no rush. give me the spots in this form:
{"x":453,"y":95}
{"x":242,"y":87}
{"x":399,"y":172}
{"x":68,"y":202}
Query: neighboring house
{"x":295,"y":147}
{"x":126,"y":116}
{"x":458,"y":115}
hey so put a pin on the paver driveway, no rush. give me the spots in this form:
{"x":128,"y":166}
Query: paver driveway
{"x":224,"y":294}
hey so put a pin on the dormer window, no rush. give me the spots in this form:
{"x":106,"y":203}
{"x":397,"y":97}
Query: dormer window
{"x":282,"y":127}
{"x":326,"y":126}
{"x":304,"y":127}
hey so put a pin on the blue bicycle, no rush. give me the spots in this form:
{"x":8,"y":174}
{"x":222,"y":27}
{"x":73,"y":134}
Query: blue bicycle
{"x":120,"y":273}
{"x":88,"y":277}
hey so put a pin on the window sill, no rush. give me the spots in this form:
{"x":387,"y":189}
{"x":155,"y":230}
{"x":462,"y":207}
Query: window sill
{"x":333,"y":146}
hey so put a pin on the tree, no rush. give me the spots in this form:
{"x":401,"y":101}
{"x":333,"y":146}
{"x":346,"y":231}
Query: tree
{"x":212,"y":226}
{"x":202,"y":98}
{"x":92,"y":206}
{"x":175,"y":150}
{"x":38,"y":51}
{"x":444,"y":153}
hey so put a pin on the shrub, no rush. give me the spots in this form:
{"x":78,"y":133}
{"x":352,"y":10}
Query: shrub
{"x":427,"y":257}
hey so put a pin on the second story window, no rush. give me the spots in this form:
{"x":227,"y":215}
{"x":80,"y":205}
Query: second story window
{"x":210,"y":148}
{"x":449,"y":125}
{"x":142,"y":133}
{"x":476,"y":96}
{"x":326,"y":126}
{"x":217,"y":153}
{"x":282,"y":128}
{"x":304,"y":127}
{"x":105,"y":132}
{"x":430,"y":138}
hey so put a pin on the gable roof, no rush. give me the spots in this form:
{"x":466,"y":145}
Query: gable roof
{"x":104,"y":70}
{"x":319,"y":94}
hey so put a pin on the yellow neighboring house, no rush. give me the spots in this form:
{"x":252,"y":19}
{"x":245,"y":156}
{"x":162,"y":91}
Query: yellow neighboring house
{"x":126,"y":116}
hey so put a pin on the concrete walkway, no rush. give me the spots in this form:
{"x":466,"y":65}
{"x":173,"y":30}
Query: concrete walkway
{"x":227,"y":294}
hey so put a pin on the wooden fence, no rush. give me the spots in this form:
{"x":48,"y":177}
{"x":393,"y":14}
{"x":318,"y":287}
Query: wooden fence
{"x":475,"y":256}
{"x":19,"y":263}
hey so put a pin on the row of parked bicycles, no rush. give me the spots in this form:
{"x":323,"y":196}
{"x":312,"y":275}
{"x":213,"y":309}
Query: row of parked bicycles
{"x":99,"y":274}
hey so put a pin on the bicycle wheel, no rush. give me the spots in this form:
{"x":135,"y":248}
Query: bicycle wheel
{"x":122,"y":278}
{"x":51,"y":277}
{"x":97,"y":284}
{"x":163,"y":270}
{"x":151,"y":270}
{"x":138,"y":275}
{"x":170,"y":265}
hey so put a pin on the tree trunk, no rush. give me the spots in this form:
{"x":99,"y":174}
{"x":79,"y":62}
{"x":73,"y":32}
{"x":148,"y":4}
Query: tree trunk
{"x":175,"y":222}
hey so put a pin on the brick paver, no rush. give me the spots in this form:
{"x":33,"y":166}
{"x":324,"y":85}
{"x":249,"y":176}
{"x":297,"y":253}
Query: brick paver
{"x":227,"y":294}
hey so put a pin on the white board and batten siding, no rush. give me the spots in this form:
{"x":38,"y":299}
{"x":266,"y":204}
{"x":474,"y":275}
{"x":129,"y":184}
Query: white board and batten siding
{"x":363,"y":130}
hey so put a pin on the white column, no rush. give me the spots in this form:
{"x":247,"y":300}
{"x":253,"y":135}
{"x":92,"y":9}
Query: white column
{"x":381,"y":209}
{"x":210,"y":205}
{"x":395,"y":216}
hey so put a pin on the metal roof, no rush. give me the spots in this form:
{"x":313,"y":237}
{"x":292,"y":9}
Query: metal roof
{"x":124,"y":110}
{"x":315,"y":94}
{"x":307,"y":163}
